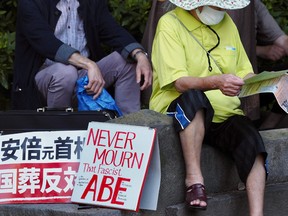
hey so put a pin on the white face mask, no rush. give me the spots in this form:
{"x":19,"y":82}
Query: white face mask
{"x":210,"y":16}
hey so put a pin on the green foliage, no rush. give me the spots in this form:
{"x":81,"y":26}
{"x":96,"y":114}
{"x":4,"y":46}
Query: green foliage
{"x":7,"y":47}
{"x":278,"y":9}
{"x":7,"y":39}
{"x":131,"y":14}
{"x":7,"y":44}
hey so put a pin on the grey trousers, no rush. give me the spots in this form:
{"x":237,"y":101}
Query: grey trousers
{"x":57,"y":83}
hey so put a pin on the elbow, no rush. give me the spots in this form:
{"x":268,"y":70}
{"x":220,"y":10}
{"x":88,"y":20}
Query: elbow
{"x":179,"y":86}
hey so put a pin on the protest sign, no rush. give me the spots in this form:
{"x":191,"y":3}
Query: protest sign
{"x":113,"y":165}
{"x":39,"y":167}
{"x":149,"y":198}
{"x":268,"y":82}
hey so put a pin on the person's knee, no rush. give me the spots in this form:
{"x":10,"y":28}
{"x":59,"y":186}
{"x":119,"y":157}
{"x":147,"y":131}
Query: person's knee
{"x":125,"y":68}
{"x":65,"y":76}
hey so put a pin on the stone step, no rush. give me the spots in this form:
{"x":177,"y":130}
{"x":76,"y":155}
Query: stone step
{"x":223,"y":204}
{"x":63,"y":209}
{"x":235,"y":204}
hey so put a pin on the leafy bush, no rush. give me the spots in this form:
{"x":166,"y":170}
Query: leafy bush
{"x":7,"y":47}
{"x":131,"y":14}
{"x":7,"y":44}
{"x":7,"y":39}
{"x":278,"y":9}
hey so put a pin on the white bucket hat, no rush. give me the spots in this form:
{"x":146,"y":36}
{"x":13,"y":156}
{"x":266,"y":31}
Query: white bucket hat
{"x":225,"y":4}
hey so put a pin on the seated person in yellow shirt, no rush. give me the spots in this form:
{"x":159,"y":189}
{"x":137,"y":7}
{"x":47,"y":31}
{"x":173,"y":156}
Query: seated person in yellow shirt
{"x":253,"y":21}
{"x":199,"y":65}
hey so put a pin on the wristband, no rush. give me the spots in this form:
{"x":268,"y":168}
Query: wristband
{"x":139,"y":51}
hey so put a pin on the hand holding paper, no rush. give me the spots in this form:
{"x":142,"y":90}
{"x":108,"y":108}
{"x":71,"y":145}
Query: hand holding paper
{"x":268,"y":82}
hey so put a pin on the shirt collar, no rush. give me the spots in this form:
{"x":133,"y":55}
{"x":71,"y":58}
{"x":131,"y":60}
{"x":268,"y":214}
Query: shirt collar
{"x":187,"y":19}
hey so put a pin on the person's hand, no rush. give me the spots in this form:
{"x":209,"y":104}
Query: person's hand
{"x":229,"y":84}
{"x":95,"y":80}
{"x":143,"y":71}
{"x":282,"y":42}
{"x":270,"y":52}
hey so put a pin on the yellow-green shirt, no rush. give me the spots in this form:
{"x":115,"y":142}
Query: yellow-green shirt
{"x":176,"y":54}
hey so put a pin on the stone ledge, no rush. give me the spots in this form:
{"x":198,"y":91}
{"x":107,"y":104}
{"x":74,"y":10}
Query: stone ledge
{"x":219,"y":172}
{"x":235,"y":203}
{"x":55,"y":210}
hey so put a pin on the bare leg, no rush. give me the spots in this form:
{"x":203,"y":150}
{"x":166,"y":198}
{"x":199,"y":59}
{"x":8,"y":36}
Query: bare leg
{"x":255,"y":187}
{"x":191,"y":140}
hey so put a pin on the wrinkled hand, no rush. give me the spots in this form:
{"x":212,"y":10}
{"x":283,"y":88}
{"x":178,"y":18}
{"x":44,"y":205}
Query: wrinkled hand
{"x":96,"y":81}
{"x":143,"y":71}
{"x":229,"y":84}
{"x":282,"y":42}
{"x":271,"y":52}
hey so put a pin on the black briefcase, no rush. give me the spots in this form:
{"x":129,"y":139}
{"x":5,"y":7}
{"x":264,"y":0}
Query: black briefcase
{"x":43,"y":119}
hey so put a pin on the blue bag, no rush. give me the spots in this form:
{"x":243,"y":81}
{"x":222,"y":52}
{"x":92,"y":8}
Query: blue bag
{"x":86,"y":102}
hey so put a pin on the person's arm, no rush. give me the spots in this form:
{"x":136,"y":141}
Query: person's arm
{"x":96,"y":81}
{"x":282,"y":42}
{"x":114,"y":35}
{"x":38,"y":33}
{"x":272,"y":43}
{"x":228,"y":84}
{"x":270,"y":52}
{"x":143,"y":68}
{"x":267,"y":28}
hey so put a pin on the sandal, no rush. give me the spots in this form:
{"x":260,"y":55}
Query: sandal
{"x":196,"y":192}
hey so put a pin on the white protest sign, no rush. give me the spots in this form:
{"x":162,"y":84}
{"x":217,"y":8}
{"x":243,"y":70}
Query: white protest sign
{"x":114,"y":164}
{"x":151,"y":189}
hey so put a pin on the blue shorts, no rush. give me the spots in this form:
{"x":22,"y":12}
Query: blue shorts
{"x":184,"y":108}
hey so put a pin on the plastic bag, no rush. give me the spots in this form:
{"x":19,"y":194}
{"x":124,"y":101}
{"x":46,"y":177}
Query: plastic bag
{"x":86,"y":102}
